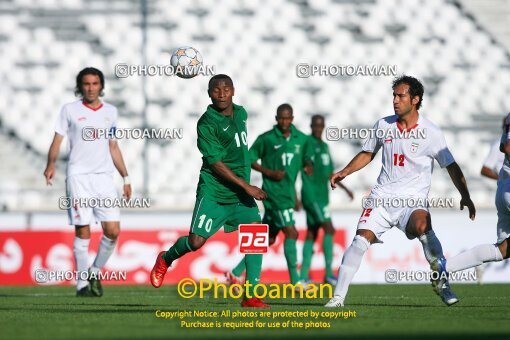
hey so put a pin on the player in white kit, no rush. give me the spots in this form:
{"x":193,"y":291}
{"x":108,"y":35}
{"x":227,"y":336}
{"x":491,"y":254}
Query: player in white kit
{"x":500,"y":250}
{"x":490,"y":169}
{"x":493,"y":162}
{"x":90,"y":174}
{"x":405,"y":177}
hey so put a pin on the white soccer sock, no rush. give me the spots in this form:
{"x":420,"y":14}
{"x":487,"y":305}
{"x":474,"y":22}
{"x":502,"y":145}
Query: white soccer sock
{"x":431,"y":246}
{"x":81,"y":253}
{"x":474,"y":257}
{"x":106,"y":247}
{"x":350,"y":264}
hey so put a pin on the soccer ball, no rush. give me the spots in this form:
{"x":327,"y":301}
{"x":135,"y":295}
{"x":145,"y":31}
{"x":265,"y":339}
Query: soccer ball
{"x":186,"y":62}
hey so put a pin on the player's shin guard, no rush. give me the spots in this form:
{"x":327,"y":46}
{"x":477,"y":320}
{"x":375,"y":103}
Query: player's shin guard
{"x":81,"y":251}
{"x":239,"y":269}
{"x":180,"y":248}
{"x":431,"y":246}
{"x":307,"y":259}
{"x":350,"y":264}
{"x":289,"y":248}
{"x":253,"y":269}
{"x":106,"y":247}
{"x":474,"y":257}
{"x":327,"y":246}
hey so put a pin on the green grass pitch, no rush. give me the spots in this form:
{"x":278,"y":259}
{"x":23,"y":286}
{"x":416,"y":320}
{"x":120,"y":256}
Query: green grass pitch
{"x":388,"y":311}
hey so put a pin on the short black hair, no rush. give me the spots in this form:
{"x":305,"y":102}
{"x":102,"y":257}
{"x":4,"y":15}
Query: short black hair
{"x":87,"y":71}
{"x":219,"y":77}
{"x":415,"y":87}
{"x":284,"y":107}
{"x":317,"y":116}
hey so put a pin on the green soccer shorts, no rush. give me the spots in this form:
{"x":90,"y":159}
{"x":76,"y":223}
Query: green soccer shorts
{"x":278,"y":219}
{"x":316,"y":214}
{"x":209,"y":216}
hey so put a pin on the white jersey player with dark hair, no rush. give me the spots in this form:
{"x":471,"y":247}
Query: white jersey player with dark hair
{"x":407,"y":165}
{"x":90,"y":174}
{"x":499,"y":251}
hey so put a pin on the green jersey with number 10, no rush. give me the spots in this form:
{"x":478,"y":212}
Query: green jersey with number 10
{"x":223,"y":138}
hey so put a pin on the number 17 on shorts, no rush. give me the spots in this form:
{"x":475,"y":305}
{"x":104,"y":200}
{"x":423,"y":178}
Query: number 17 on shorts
{"x":253,"y":238}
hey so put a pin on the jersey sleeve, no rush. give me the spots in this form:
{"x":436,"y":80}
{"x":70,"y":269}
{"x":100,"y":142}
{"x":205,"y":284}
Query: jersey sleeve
{"x":308,"y":151}
{"x":208,"y":143}
{"x":372,"y":144}
{"x":441,"y":152}
{"x":492,"y":160}
{"x":113,"y":127}
{"x":62,"y":124}
{"x":257,"y":149}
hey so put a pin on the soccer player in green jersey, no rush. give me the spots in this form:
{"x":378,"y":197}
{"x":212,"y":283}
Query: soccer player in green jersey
{"x":224,"y":193}
{"x":315,"y":199}
{"x":283,"y":153}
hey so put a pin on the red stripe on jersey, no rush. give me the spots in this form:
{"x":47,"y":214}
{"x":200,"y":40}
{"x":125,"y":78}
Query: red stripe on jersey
{"x":409,"y":129}
{"x":92,"y":108}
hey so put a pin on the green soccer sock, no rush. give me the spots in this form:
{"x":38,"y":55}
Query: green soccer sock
{"x":180,"y":248}
{"x":253,"y":268}
{"x":327,"y":248}
{"x":289,"y":248}
{"x":239,"y":269}
{"x":307,"y":259}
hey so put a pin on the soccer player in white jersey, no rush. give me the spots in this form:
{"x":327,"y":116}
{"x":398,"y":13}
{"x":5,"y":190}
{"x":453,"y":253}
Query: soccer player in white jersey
{"x":490,"y":169}
{"x":407,"y":165}
{"x":494,"y":160}
{"x":500,"y":250}
{"x":90,"y":174}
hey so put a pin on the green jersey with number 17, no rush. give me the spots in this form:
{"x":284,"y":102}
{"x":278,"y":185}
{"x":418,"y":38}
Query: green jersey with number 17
{"x":279,"y":153}
{"x":223,"y":138}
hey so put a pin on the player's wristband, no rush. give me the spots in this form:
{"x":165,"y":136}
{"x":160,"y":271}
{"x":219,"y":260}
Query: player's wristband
{"x":126,"y":180}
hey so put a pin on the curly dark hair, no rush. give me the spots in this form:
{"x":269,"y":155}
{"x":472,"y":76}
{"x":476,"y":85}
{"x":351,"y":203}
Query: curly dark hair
{"x":86,"y":71}
{"x":415,"y":87}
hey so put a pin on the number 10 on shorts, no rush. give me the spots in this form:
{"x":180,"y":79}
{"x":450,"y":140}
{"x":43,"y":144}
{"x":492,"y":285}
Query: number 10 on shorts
{"x":253,"y":238}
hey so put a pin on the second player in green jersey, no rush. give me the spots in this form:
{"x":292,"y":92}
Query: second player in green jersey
{"x":315,"y":198}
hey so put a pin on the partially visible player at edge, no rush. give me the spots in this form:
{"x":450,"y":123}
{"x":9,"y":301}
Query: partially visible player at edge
{"x":90,"y":173}
{"x":406,"y":172}
{"x":494,"y":161}
{"x":490,"y":169}
{"x":283,"y":153}
{"x":224,"y":194}
{"x":500,"y":250}
{"x":315,"y":199}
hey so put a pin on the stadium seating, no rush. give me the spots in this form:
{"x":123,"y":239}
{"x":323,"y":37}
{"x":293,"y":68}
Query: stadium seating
{"x":45,"y":43}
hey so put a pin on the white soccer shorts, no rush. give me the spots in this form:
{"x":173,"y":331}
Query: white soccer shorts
{"x":381,"y":219}
{"x":88,"y":187}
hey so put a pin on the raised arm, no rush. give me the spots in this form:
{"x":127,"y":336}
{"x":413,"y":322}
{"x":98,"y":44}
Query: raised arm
{"x":460,"y":183}
{"x":357,"y":163}
{"x":49,"y":172}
